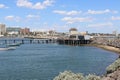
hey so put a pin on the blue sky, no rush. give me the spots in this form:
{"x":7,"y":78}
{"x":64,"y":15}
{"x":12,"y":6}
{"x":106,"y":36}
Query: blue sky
{"x":86,"y":15}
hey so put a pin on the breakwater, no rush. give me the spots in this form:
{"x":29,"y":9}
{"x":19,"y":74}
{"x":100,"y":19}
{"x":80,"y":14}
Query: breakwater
{"x":111,"y":44}
{"x":114,"y":42}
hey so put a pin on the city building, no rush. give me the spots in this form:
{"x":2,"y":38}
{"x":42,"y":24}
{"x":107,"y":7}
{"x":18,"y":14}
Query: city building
{"x":2,"y":29}
{"x":25,"y":31}
{"x":83,"y":33}
{"x":13,"y":30}
{"x":46,"y":34}
{"x":73,"y":31}
{"x":75,"y":35}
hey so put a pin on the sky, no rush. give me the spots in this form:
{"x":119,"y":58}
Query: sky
{"x":94,"y":16}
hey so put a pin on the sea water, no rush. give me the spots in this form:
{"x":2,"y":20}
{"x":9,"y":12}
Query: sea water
{"x":45,"y":61}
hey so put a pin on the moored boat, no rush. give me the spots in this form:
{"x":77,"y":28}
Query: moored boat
{"x":4,"y":47}
{"x":14,"y":44}
{"x":7,"y":48}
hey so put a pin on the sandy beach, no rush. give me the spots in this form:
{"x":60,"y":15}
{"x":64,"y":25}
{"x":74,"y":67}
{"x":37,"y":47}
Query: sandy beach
{"x":106,"y":47}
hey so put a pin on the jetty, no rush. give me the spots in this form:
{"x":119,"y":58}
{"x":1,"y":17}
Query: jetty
{"x":73,"y":42}
{"x":27,"y":41}
{"x":64,"y":41}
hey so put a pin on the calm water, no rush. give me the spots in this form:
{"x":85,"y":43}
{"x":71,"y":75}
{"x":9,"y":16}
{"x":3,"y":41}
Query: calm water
{"x":45,"y":61}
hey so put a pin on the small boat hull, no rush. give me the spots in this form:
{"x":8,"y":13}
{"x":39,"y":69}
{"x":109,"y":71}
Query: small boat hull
{"x":14,"y":44}
{"x":8,"y":48}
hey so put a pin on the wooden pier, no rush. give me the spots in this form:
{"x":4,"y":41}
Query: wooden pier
{"x":28,"y":41}
{"x":46,"y":41}
{"x":74,"y":42}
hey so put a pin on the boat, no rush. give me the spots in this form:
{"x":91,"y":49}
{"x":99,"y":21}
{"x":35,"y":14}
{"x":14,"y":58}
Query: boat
{"x":4,"y":47}
{"x":7,"y":48}
{"x":13,"y":44}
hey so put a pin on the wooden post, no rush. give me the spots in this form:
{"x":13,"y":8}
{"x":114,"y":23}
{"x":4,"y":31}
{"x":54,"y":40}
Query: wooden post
{"x":30,"y":41}
{"x":22,"y":41}
{"x":5,"y":41}
{"x":38,"y":41}
{"x":14,"y":41}
{"x":47,"y":41}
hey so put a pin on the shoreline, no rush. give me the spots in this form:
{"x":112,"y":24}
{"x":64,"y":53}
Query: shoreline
{"x":106,"y":47}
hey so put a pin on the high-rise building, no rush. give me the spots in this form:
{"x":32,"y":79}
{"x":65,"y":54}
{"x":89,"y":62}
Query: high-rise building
{"x":2,"y":29}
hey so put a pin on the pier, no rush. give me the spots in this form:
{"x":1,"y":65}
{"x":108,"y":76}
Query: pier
{"x":73,"y":42}
{"x":28,"y":41}
{"x":45,"y":41}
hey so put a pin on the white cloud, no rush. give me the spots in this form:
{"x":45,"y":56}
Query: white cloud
{"x":73,"y":12}
{"x":115,"y":18}
{"x":76,"y":19}
{"x":24,"y":3}
{"x":18,"y":19}
{"x":12,"y":18}
{"x":38,"y":5}
{"x":107,"y":24}
{"x":9,"y":18}
{"x":101,"y":11}
{"x":32,"y":16}
{"x":3,"y":6}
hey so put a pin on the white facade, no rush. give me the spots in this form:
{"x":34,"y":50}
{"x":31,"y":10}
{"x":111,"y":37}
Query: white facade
{"x":73,"y":32}
{"x":12,"y":33}
{"x":87,"y":37}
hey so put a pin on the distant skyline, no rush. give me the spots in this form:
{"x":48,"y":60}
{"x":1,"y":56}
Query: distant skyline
{"x":86,"y":15}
